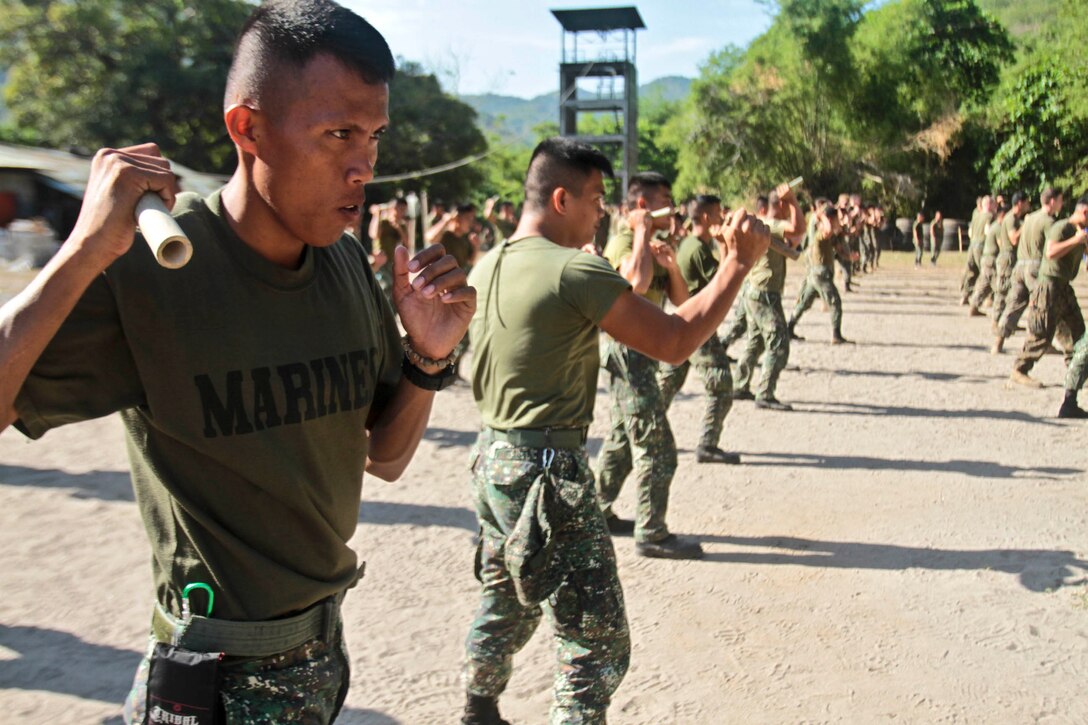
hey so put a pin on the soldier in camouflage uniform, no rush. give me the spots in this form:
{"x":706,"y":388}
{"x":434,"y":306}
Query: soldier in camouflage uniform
{"x":768,"y":331}
{"x":1054,"y":310}
{"x":1029,"y":258}
{"x":1008,"y":237}
{"x":824,"y":233}
{"x":986,"y":285}
{"x":697,"y":259}
{"x":544,"y":546}
{"x":640,"y":438}
{"x":980,"y":217}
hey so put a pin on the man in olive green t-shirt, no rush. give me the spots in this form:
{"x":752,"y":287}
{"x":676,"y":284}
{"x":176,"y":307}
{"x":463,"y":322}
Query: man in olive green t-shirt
{"x":976,"y":236}
{"x":1054,"y":310}
{"x":454,"y":233}
{"x":697,"y":258}
{"x":258,"y":382}
{"x":768,"y":331}
{"x":986,"y":284}
{"x":640,"y":439}
{"x":388,"y":229}
{"x":534,"y":378}
{"x":825,"y":236}
{"x":1029,"y":257}
{"x":501,"y":216}
{"x":1008,"y":236}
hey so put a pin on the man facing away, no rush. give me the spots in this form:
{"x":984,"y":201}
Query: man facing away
{"x":257,"y":383}
{"x":544,"y":544}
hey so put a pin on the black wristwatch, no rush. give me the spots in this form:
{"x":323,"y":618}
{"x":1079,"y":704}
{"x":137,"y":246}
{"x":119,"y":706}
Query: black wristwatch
{"x":439,"y":381}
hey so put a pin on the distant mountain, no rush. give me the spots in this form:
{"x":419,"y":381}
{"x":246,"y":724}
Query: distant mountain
{"x":513,"y":119}
{"x":1021,"y":17}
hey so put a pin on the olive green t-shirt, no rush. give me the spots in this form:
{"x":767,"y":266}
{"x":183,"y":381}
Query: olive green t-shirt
{"x":388,"y":238}
{"x":504,"y":228}
{"x":768,"y":274}
{"x":823,"y":250}
{"x":990,"y":245}
{"x":460,"y":247}
{"x":244,"y":389}
{"x":1009,"y":224}
{"x":919,"y":232}
{"x":973,"y":228}
{"x":534,"y":334}
{"x":1033,"y":236}
{"x":620,"y":246}
{"x":1065,"y":267}
{"x":698,"y":262}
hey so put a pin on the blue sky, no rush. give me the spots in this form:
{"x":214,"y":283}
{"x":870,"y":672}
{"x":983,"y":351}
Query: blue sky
{"x":512,"y":48}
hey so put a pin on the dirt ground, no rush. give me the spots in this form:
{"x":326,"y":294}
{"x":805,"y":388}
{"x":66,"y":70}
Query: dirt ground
{"x":908,"y":545}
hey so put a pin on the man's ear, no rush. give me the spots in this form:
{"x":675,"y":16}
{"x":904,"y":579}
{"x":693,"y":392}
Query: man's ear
{"x":243,"y":123}
{"x":559,"y":200}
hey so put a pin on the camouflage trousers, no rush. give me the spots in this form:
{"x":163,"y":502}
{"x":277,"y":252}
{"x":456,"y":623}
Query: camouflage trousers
{"x":640,"y":440}
{"x":1054,"y":312}
{"x":739,"y":326}
{"x":1077,"y":373}
{"x":971,"y":270}
{"x":986,"y":282}
{"x":305,"y":685}
{"x":820,"y":282}
{"x":1001,"y":284}
{"x":713,"y":368}
{"x":769,"y":334}
{"x":587,"y":612}
{"x":1024,"y":279}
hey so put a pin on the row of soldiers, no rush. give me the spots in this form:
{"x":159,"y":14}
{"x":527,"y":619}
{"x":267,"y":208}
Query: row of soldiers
{"x":1026,"y":261}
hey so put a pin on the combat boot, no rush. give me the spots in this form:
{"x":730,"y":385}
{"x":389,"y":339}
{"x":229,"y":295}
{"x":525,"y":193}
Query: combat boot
{"x":480,"y":710}
{"x":973,"y":311}
{"x":1022,"y":378}
{"x":743,"y":394}
{"x":793,"y":335}
{"x":1070,"y":409}
{"x":713,"y":454}
{"x":619,"y":527}
{"x":840,"y":340}
{"x":671,"y":547}
{"x":772,"y":403}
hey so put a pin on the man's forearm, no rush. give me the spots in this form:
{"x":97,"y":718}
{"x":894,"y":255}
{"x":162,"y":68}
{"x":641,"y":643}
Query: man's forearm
{"x":678,"y":287}
{"x":638,"y":268}
{"x":395,"y":434}
{"x":30,"y":320}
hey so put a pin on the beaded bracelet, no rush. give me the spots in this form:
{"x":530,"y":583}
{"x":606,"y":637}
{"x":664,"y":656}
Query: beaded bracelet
{"x":422,"y":361}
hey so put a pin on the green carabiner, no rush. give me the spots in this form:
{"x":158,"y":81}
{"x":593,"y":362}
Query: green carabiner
{"x":198,"y":585}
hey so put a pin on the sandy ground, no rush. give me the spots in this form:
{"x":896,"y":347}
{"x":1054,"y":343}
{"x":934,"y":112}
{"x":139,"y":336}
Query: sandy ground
{"x":908,"y":545}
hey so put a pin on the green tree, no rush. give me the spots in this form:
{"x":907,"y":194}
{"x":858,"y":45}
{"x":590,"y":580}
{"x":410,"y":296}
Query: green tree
{"x":429,"y":128}
{"x":116,"y":72}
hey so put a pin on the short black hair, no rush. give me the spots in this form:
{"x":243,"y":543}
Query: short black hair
{"x":560,"y":162}
{"x":702,"y":203}
{"x":285,"y":35}
{"x":1018,"y":197}
{"x":762,"y":203}
{"x":1083,"y":201}
{"x":642,"y":182}
{"x":1049,"y":194}
{"x":400,"y":201}
{"x":466,"y":207}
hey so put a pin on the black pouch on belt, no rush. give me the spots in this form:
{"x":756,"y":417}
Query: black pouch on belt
{"x":182,"y":686}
